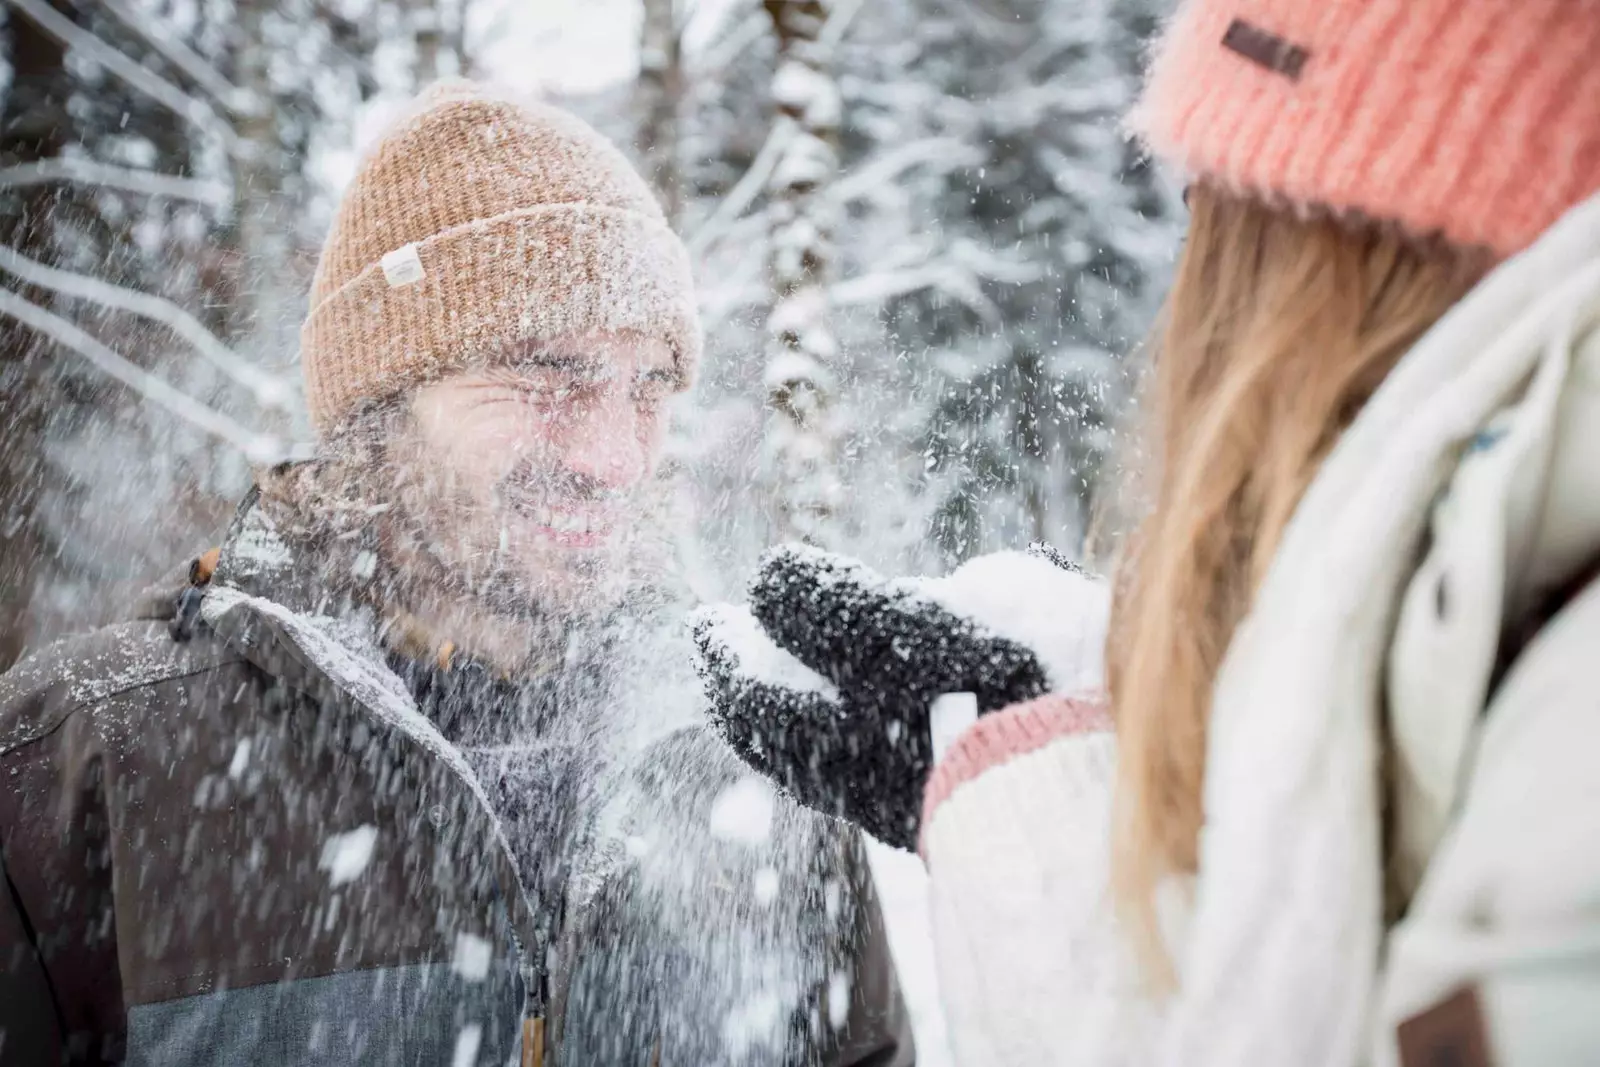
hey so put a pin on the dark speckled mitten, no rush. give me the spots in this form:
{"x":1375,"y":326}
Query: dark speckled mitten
{"x":853,"y":739}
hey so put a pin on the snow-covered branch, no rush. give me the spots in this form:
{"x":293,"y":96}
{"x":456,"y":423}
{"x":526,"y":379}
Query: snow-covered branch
{"x":268,"y":391}
{"x":1022,"y":110}
{"x":985,"y":23}
{"x":110,"y":176}
{"x":838,"y":24}
{"x":945,"y":153}
{"x":724,"y":51}
{"x":1033,"y":105}
{"x":69,"y":33}
{"x":993,"y":266}
{"x":259,"y":448}
{"x":745,"y":190}
{"x":959,"y":275}
{"x":880,"y":287}
{"x":186,"y":59}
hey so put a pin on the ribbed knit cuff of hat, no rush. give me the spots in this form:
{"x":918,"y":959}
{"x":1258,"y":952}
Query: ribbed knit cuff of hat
{"x":1475,"y":122}
{"x":477,"y":224}
{"x":486,"y":286}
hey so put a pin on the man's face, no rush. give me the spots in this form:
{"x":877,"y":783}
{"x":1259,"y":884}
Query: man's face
{"x":528,"y":478}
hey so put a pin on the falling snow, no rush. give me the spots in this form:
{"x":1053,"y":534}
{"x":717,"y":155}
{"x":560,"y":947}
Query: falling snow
{"x":345,"y":856}
{"x":922,"y":247}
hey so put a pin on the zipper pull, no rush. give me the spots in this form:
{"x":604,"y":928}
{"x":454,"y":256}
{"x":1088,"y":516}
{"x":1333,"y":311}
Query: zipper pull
{"x":533,"y":1041}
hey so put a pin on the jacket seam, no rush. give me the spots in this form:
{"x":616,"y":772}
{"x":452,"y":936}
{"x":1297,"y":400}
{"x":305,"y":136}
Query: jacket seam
{"x":32,"y":935}
{"x":104,"y":697}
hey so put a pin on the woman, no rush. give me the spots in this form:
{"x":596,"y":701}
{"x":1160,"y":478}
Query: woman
{"x":1350,"y":813}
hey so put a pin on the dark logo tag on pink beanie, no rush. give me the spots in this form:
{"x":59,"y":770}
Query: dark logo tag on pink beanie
{"x":1266,"y":49}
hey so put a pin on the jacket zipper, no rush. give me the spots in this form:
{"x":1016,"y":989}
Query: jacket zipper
{"x":533,"y":1041}
{"x":532,"y":1008}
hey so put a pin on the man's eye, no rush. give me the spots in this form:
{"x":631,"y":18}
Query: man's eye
{"x":544,"y":386}
{"x":651,"y":397}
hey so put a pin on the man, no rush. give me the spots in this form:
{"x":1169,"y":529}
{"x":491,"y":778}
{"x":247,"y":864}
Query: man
{"x":412,"y":772}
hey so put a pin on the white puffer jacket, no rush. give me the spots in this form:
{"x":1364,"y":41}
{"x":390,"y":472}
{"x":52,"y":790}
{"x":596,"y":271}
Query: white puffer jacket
{"x":1462,"y":498}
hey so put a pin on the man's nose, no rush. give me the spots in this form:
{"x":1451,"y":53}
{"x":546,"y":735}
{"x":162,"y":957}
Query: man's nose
{"x":603,"y":440}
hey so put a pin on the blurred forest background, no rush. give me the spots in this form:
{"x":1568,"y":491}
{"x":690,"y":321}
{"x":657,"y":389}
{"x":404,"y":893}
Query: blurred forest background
{"x":923,"y":244}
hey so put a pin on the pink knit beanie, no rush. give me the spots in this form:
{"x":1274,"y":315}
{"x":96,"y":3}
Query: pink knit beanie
{"x":479,"y":222}
{"x":1474,"y":120}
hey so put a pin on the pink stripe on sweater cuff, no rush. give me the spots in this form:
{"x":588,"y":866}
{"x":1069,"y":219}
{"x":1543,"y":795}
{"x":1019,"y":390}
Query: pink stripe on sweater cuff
{"x":1015,"y":731}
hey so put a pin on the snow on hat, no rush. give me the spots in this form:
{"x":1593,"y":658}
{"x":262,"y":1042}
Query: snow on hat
{"x":1476,"y":121}
{"x":478,"y":222}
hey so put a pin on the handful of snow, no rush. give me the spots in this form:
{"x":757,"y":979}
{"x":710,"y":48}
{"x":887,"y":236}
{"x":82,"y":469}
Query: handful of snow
{"x":1059,"y":615}
{"x":755,"y":655}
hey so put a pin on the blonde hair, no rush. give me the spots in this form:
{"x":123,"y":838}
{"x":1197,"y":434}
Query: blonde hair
{"x":1277,"y":330}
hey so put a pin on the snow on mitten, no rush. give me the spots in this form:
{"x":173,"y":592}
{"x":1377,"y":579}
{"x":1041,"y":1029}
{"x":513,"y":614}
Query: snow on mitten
{"x":827,"y":684}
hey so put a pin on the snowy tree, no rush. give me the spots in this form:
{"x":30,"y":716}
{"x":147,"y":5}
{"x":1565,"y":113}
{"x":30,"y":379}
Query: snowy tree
{"x":161,"y":217}
{"x":1043,"y":239}
{"x":923,"y":246}
{"x":801,"y":438}
{"x":990,"y":246}
{"x":660,"y":92}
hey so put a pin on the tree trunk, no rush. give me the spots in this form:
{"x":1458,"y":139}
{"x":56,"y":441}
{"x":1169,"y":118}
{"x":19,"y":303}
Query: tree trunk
{"x":660,"y":93}
{"x":266,"y":306}
{"x":427,"y":29}
{"x":802,"y":437}
{"x":34,"y":125}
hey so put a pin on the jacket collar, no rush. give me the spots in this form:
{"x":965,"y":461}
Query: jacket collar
{"x":331,"y":652}
{"x":1283,"y":943}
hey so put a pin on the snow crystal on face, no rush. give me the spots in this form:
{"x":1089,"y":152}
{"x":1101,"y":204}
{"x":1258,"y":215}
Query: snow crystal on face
{"x":743,"y":812}
{"x":241,"y":759}
{"x":471,"y":958}
{"x":831,"y":894}
{"x":838,"y":999}
{"x":741,"y":637}
{"x":346,"y":855}
{"x":758,"y":1022}
{"x":364,"y":566}
{"x":1059,"y":615}
{"x":766,"y":886}
{"x":467,"y":1042}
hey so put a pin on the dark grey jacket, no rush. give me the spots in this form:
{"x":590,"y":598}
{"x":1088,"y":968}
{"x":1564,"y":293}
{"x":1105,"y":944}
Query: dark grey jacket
{"x":248,"y":845}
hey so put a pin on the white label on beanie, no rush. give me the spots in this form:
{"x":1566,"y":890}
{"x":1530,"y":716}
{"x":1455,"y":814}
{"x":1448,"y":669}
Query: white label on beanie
{"x":402,"y":266}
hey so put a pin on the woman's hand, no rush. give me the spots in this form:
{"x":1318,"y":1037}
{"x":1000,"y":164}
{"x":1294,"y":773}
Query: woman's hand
{"x":826,"y":685}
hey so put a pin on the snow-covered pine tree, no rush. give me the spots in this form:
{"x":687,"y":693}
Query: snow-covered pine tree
{"x":1038,"y":243}
{"x":801,"y":443}
{"x":159,"y":217}
{"x":659,"y":93}
{"x":994,"y":247}
{"x":34,"y":127}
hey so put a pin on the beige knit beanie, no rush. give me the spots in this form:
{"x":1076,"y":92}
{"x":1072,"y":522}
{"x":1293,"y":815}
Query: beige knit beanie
{"x":478,"y":222}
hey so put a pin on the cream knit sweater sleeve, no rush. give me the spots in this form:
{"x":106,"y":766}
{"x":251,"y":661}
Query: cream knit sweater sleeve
{"x":1016,"y":839}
